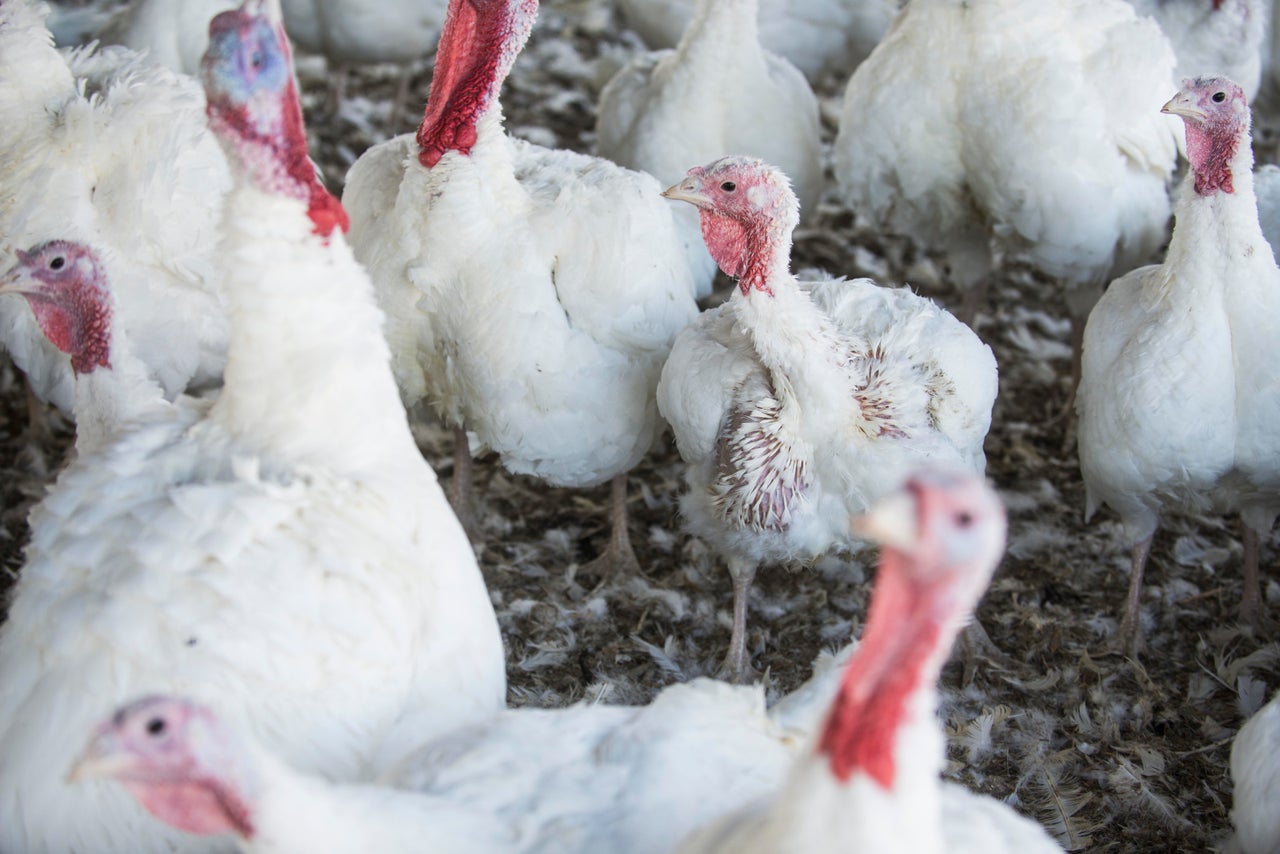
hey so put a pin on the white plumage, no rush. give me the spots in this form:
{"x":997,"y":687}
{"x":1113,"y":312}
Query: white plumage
{"x":588,"y":779}
{"x":531,"y":294}
{"x":871,"y":783}
{"x":718,"y":92}
{"x":284,"y":549}
{"x":1255,"y":777}
{"x":1266,"y":187}
{"x":1178,"y":403}
{"x":1020,"y":126}
{"x":108,"y":149}
{"x":630,"y":780}
{"x":1214,"y":38}
{"x":817,"y":36}
{"x":797,"y":405}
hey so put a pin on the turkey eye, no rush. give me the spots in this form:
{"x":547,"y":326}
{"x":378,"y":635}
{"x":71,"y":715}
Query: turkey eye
{"x":728,"y":186}
{"x":964,"y":520}
{"x":1219,"y":97}
{"x":256,"y":60}
{"x":57,"y":262}
{"x":156,"y":726}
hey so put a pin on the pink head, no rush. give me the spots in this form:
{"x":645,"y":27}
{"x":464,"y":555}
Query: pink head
{"x":1216,"y":114}
{"x":69,"y":295}
{"x":748,"y":212}
{"x":941,"y":539}
{"x":175,"y":757}
{"x":254,"y":110}
{"x":479,"y":44}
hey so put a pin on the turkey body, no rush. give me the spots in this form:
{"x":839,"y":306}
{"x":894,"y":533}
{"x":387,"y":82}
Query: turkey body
{"x":531,"y":294}
{"x":889,"y":380}
{"x":1047,"y":144}
{"x":1255,"y":775}
{"x":1223,"y":38}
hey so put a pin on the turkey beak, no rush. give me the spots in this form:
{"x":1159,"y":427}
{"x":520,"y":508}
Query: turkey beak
{"x":103,"y":758}
{"x":11,"y":281}
{"x":1180,"y":105}
{"x":891,"y":522}
{"x":687,"y":191}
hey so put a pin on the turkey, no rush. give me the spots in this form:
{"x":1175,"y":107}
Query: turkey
{"x":70,"y":294}
{"x":1024,"y":127}
{"x":871,"y":783}
{"x":284,"y":549}
{"x":819,"y":37}
{"x":595,"y":778}
{"x":1178,"y":402}
{"x":107,"y":149}
{"x":1220,"y":38}
{"x":796,"y":405}
{"x":531,"y":294}
{"x":1255,"y":777}
{"x":717,"y":92}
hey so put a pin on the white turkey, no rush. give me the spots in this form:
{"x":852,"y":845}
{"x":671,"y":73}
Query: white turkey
{"x":872,"y":782}
{"x":717,"y":92}
{"x":71,"y":297}
{"x":597,"y":778}
{"x":531,"y":294}
{"x":819,"y":37}
{"x":1255,"y":779}
{"x":285,"y":548}
{"x":108,"y":149}
{"x":796,"y":405}
{"x":1023,"y":127}
{"x":1214,"y":38}
{"x":1178,"y":400}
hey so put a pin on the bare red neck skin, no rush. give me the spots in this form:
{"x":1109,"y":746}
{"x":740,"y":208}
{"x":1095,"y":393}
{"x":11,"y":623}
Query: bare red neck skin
{"x":476,"y":52}
{"x":1210,"y":150}
{"x":81,"y":328}
{"x":744,"y":251}
{"x":897,"y":655}
{"x":201,"y":806}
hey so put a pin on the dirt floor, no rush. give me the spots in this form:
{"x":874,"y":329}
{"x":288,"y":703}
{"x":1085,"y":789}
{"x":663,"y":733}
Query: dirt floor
{"x":1111,"y":754}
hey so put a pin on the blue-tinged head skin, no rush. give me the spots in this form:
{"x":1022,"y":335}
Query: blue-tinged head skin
{"x":253,"y":108}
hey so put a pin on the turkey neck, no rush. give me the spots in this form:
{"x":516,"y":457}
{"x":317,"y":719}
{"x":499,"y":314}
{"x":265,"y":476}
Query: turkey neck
{"x":874,"y":777}
{"x":792,"y":338}
{"x":478,"y":46}
{"x":111,"y":399}
{"x":308,"y":372}
{"x":1218,"y":230}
